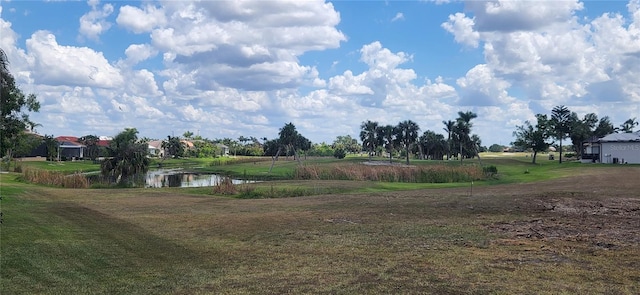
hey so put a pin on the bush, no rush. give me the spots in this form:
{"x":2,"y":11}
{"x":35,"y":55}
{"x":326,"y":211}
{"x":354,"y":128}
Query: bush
{"x":224,"y":187}
{"x":339,"y":153}
{"x":490,"y":171}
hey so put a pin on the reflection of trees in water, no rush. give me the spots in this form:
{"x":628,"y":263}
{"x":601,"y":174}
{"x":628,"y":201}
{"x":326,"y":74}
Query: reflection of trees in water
{"x":173,"y":180}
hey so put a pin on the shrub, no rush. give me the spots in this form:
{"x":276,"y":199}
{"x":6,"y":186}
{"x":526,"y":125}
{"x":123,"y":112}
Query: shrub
{"x":224,"y":187}
{"x":339,"y":153}
{"x":490,"y":171}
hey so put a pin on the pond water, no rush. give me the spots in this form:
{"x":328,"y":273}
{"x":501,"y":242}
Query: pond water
{"x":180,"y":178}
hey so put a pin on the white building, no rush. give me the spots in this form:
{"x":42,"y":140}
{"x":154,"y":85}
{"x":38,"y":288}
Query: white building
{"x":621,"y":148}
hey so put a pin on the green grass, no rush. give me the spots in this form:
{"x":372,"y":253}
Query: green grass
{"x":63,"y":166}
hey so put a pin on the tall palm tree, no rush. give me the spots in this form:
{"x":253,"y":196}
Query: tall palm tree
{"x":407,"y":134}
{"x":560,"y":124}
{"x":463,"y":127}
{"x":449,"y":127}
{"x":369,"y":136}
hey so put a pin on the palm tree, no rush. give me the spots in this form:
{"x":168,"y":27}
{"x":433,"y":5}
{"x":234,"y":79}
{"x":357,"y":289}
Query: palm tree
{"x":369,"y":136}
{"x":386,"y":133}
{"x":289,"y":138}
{"x":560,"y":124}
{"x":463,"y":128}
{"x":407,"y":134}
{"x":91,"y":142}
{"x":128,"y":157}
{"x":173,"y":146}
{"x":449,"y":127}
{"x":629,"y":125}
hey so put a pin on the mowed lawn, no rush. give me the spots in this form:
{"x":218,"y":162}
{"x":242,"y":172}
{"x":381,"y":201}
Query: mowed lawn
{"x":571,"y":235}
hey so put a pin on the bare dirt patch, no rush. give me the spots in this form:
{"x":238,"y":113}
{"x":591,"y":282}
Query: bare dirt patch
{"x":602,"y":210}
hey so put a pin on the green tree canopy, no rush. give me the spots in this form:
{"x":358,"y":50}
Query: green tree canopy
{"x":173,"y":147}
{"x":14,"y":110}
{"x":462,"y":131}
{"x":369,"y":136}
{"x":91,"y":142}
{"x":128,"y":158}
{"x":533,"y":137}
{"x":407,"y":135}
{"x":629,"y":125}
{"x":387,"y":136}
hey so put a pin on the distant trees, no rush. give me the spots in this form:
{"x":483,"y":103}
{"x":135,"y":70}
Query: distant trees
{"x":496,"y":148}
{"x":128,"y":157}
{"x":432,"y":145}
{"x":347,"y":143}
{"x":533,"y":137}
{"x":406,"y":135}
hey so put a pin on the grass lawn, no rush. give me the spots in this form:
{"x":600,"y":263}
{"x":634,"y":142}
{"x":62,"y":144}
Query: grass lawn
{"x":538,"y":229}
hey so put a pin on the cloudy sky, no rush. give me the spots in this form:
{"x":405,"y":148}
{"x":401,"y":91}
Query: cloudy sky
{"x":245,"y":68}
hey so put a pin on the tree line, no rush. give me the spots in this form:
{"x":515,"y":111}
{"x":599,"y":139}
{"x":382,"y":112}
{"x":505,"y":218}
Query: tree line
{"x":405,"y":139}
{"x":564,"y":124}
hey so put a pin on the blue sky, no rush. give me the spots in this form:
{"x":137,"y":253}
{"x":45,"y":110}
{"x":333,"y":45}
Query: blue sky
{"x":230,"y":69}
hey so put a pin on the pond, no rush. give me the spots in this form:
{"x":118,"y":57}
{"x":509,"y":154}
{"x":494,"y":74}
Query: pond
{"x":181,"y":178}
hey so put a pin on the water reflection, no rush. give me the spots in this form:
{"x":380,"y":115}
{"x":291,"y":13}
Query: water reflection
{"x":180,"y":178}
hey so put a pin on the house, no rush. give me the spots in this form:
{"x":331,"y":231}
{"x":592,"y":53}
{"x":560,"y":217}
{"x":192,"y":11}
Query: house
{"x":224,"y":150}
{"x":155,"y":148}
{"x":614,"y":148}
{"x":619,"y":148}
{"x":70,"y":148}
{"x":590,"y":150}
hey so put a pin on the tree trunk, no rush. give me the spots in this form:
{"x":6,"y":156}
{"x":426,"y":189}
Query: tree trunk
{"x":535,"y":153}
{"x":407,"y":151}
{"x":274,"y":159}
{"x":560,"y":150}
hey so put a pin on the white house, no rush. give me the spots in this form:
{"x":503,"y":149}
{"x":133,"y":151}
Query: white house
{"x":623,"y":148}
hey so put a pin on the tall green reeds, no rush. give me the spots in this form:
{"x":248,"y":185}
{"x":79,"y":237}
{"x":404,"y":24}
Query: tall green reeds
{"x":54,"y":178}
{"x":386,"y":173}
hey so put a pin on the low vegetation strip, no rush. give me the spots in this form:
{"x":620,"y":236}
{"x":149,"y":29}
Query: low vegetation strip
{"x":55,"y":178}
{"x":391,"y":173}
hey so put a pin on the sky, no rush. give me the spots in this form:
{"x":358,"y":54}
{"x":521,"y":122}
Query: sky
{"x":225,"y":69}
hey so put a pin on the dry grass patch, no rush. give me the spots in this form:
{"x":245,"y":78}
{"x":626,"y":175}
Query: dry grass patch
{"x":55,"y":178}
